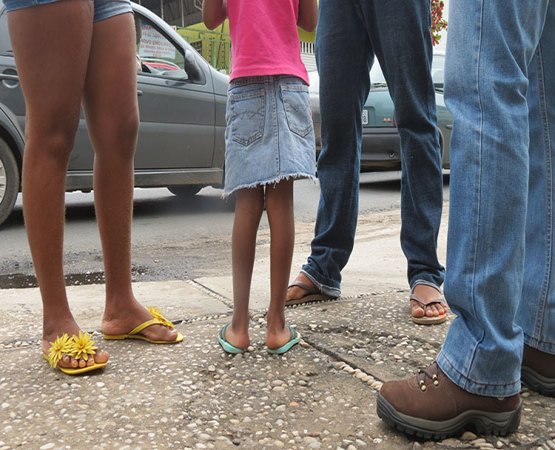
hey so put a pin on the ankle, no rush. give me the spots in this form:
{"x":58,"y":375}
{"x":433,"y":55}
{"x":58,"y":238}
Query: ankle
{"x":54,"y":328}
{"x":275,"y":323}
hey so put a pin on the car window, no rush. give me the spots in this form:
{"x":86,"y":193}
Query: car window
{"x":156,"y":54}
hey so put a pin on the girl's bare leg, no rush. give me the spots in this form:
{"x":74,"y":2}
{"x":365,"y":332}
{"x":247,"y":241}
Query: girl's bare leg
{"x":249,"y":205}
{"x":279,"y":207}
{"x":111,"y":108}
{"x":51,"y":44}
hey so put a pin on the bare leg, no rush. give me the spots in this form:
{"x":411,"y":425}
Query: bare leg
{"x":53,"y":91}
{"x":111,"y":109}
{"x":249,"y":205}
{"x":279,"y":207}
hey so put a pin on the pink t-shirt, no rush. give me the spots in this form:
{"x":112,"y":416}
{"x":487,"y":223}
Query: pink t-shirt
{"x":264,"y":38}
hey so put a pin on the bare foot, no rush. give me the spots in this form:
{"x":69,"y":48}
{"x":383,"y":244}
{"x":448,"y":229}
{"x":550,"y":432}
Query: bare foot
{"x":123,"y":320}
{"x":427,"y":293}
{"x":237,"y":338}
{"x":297,"y":292}
{"x":303,"y":290}
{"x":276,"y":338}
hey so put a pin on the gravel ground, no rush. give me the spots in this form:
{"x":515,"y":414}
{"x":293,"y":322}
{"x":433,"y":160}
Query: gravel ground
{"x":321,"y":395}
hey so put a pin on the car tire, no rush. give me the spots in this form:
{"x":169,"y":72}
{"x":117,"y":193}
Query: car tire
{"x":9,"y":181}
{"x":186,"y":191}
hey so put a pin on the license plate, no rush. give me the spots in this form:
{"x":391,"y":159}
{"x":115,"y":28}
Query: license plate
{"x":365,"y":117}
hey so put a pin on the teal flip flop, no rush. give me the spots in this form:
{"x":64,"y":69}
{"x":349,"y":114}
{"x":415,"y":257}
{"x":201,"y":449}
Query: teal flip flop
{"x":293,"y":340}
{"x":226,"y":345}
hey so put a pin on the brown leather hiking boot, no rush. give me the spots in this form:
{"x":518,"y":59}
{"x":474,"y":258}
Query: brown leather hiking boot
{"x":538,"y":371}
{"x":431,"y":406}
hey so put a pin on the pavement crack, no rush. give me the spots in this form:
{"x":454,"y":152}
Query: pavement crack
{"x":226,"y":301}
{"x":347,"y":366}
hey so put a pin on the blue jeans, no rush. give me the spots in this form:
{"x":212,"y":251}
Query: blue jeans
{"x":500,"y":88}
{"x":350,"y":34}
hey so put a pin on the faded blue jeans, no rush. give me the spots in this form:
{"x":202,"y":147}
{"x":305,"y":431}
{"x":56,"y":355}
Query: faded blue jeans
{"x":350,"y":34}
{"x":500,"y":88}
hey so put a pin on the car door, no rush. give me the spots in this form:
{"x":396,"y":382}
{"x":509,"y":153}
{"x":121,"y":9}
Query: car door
{"x":176,"y":101}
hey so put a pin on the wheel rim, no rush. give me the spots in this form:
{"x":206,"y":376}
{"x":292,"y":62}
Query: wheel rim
{"x":3,"y":181}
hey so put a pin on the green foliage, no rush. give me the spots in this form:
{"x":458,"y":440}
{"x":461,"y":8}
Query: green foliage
{"x":438,"y":22}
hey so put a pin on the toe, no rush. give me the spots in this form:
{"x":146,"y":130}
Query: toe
{"x":417,"y":310}
{"x":65,"y":362}
{"x":432,"y":311}
{"x":101,"y":357}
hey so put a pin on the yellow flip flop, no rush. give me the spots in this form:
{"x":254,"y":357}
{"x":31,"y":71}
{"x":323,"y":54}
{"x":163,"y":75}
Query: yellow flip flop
{"x":157,"y":319}
{"x":79,"y":347}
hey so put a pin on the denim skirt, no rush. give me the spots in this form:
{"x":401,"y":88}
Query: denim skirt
{"x":103,"y":9}
{"x":269,"y":134}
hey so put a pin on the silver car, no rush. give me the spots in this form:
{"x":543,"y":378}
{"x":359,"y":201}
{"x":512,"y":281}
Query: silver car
{"x":182,"y":108}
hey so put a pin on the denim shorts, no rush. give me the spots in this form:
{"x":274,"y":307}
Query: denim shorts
{"x":103,"y":9}
{"x":269,"y":134}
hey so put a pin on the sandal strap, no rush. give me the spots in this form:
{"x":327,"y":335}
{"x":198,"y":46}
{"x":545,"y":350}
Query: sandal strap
{"x":425,"y":303}
{"x":304,"y":287}
{"x":144,"y":325}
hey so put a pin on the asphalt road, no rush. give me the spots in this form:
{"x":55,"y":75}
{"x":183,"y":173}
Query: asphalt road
{"x":172,"y":238}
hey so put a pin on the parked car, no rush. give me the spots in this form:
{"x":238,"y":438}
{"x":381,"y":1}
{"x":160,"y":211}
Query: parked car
{"x":380,"y":138}
{"x":182,"y":108}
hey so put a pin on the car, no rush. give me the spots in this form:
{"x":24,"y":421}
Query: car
{"x":381,"y":143}
{"x":182,"y":101}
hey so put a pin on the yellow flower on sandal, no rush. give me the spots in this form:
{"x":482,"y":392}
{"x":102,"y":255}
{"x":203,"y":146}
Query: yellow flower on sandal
{"x":79,"y":347}
{"x":157,"y":314}
{"x":82,"y":346}
{"x":60,"y":347}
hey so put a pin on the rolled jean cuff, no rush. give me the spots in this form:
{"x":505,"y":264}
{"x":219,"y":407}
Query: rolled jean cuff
{"x":324,"y":289}
{"x":486,"y":390}
{"x":425,"y":283}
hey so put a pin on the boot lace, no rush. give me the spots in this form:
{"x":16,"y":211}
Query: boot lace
{"x":430,"y":373}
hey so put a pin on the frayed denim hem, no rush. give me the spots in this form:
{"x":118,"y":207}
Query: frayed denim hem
{"x":274,"y":180}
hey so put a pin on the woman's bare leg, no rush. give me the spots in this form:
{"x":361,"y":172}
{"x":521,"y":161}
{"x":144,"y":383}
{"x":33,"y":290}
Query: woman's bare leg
{"x":111,"y":109}
{"x":279,"y":207}
{"x":249,"y":205}
{"x":52,"y":77}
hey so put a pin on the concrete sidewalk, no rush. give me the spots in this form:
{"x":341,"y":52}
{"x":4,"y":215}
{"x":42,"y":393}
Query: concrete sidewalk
{"x":322,"y":394}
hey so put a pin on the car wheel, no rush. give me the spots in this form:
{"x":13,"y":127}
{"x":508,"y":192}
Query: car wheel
{"x":9,"y":181}
{"x":186,"y":191}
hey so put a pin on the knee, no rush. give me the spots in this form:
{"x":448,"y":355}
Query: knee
{"x":50,"y":143}
{"x":126,"y":130}
{"x":115,"y":137}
